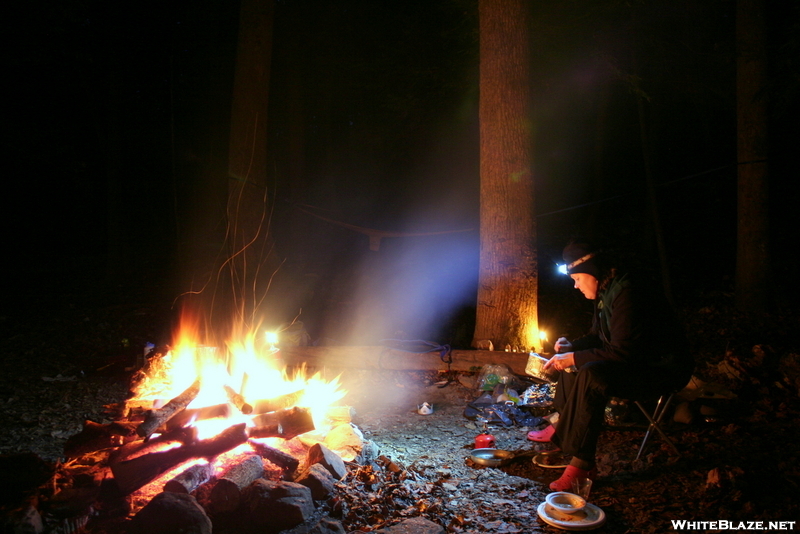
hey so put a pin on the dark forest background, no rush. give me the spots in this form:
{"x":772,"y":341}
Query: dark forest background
{"x":117,"y":124}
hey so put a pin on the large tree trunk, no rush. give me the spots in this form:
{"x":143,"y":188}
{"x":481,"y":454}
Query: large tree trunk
{"x":248,"y":213}
{"x":752,"y":254}
{"x":507,"y":312}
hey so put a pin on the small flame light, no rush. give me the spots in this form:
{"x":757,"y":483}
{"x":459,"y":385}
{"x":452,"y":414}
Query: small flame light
{"x":272,"y":339}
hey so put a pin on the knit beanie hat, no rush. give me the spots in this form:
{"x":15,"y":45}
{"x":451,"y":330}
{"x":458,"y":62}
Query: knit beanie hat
{"x":580,"y":258}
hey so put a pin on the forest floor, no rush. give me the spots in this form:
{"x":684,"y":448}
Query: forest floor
{"x":66,"y":354}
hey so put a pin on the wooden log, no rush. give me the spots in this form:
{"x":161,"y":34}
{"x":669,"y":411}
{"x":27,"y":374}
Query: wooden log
{"x":184,"y":435}
{"x":190,"y":415}
{"x":190,"y":479}
{"x":237,"y":400}
{"x":96,"y":436}
{"x":156,"y":418}
{"x":285,"y":461}
{"x":278,"y":403}
{"x":284,"y":424}
{"x":227,"y":492}
{"x":135,"y":473}
{"x":378,"y":358}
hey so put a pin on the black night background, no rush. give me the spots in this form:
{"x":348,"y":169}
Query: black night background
{"x":117,"y":126}
{"x":118,"y":119}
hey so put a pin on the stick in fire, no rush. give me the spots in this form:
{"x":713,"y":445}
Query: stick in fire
{"x":156,"y":418}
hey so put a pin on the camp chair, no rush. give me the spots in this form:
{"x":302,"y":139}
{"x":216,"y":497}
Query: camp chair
{"x":655,"y":421}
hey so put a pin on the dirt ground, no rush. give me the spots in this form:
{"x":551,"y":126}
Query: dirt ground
{"x":64,"y":358}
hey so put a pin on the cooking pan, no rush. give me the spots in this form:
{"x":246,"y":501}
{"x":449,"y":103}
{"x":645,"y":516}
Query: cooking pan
{"x":491,"y":457}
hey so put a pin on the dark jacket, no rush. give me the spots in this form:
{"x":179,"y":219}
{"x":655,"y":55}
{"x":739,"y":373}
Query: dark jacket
{"x":634,"y":323}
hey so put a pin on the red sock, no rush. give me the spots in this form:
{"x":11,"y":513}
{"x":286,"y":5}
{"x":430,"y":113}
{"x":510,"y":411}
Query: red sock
{"x":571,"y":473}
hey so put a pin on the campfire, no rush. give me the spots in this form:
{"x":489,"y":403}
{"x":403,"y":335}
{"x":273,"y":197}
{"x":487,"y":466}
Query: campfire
{"x":221,"y":424}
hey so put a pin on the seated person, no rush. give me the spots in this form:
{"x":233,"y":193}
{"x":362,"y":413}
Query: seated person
{"x":636,"y":350}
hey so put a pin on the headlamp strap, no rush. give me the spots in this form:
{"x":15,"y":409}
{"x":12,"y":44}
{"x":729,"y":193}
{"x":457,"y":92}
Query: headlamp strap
{"x":582,"y":259}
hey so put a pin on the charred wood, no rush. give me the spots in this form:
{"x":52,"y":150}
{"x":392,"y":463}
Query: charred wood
{"x":96,"y":436}
{"x":285,"y":461}
{"x":133,"y":474}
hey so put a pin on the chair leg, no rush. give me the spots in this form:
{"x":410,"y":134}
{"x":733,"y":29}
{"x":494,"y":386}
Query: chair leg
{"x":655,"y":423}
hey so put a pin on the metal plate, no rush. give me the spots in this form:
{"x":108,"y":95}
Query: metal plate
{"x":491,"y":457}
{"x":551,"y":460}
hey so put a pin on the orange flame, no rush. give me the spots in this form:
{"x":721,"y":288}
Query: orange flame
{"x":249,"y":365}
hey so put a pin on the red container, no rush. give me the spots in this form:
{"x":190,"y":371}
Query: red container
{"x":485,"y":441}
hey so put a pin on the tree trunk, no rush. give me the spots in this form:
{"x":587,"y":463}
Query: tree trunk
{"x":507,"y":311}
{"x":248,"y":213}
{"x":752,"y":254}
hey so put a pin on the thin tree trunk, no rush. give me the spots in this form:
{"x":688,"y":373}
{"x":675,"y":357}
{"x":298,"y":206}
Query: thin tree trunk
{"x":752,"y":252}
{"x":507,"y":311}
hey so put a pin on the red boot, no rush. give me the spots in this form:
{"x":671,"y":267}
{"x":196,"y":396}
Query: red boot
{"x":542,"y":436}
{"x":571,"y":473}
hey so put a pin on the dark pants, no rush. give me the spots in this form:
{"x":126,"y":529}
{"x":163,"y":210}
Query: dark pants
{"x":581,"y":400}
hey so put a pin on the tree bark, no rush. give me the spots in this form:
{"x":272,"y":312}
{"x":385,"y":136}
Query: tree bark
{"x":752,"y":252}
{"x":507,"y":311}
{"x":227,"y":492}
{"x":191,"y":479}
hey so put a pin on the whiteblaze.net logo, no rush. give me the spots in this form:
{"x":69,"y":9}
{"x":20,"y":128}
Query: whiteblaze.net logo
{"x":722,"y":524}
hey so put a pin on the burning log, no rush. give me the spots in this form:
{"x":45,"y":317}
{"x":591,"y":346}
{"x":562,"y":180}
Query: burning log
{"x":133,"y":474}
{"x":285,"y":461}
{"x":156,"y":418}
{"x":284,"y":424}
{"x":190,"y":479}
{"x":227,"y":492}
{"x":238,"y":401}
{"x":130,"y":450}
{"x":278,"y":403}
{"x":188,"y":416}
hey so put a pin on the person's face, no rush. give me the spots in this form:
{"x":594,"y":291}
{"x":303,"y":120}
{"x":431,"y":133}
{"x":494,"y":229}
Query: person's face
{"x":586,"y":283}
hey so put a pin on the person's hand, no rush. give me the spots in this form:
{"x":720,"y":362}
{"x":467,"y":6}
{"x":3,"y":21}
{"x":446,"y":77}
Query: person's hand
{"x":562,"y":344}
{"x":559,"y":362}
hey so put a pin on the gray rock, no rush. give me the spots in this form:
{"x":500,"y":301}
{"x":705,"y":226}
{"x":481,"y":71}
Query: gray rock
{"x":320,"y":454}
{"x":280,"y":505}
{"x":319,"y":480}
{"x":26,"y":521}
{"x":415,"y":525}
{"x":326,"y":525}
{"x":169,"y":513}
